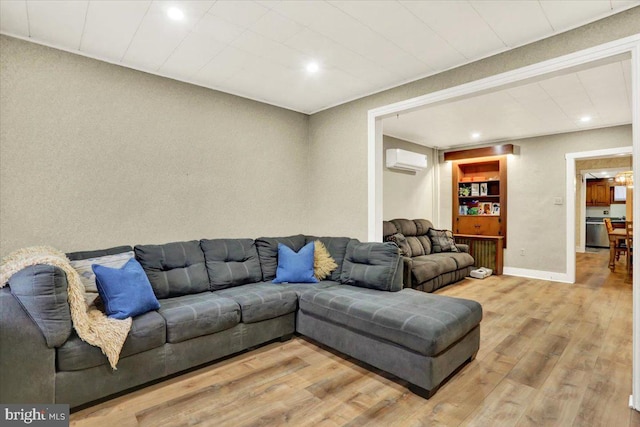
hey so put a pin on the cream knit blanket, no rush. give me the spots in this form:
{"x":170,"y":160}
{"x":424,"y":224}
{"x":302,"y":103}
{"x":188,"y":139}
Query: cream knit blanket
{"x":92,"y":325}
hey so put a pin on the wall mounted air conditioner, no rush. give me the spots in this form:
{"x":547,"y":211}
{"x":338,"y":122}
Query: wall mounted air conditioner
{"x":406,"y":160}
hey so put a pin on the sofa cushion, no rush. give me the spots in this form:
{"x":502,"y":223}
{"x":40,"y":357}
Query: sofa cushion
{"x":401,"y":242}
{"x":422,"y":226}
{"x":425,"y":241}
{"x":147,"y":331}
{"x":405,"y":226}
{"x":425,"y":323}
{"x":231,"y":262}
{"x":295,"y":266}
{"x":388,"y":228}
{"x":461,"y":259}
{"x":84,"y":267}
{"x":262,"y":301}
{"x":195,"y":315}
{"x":74,"y":256}
{"x":416,"y":246}
{"x":371,"y":265}
{"x":442,"y":241}
{"x":426,"y":268}
{"x":268,"y":252}
{"x":125,"y":291}
{"x":174,"y":269}
{"x":299,"y":288}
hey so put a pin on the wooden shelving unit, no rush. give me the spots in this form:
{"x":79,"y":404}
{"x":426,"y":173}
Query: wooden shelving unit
{"x":480,"y":196}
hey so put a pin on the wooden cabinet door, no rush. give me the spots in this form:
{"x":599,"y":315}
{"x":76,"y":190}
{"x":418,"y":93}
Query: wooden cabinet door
{"x":601,"y":195}
{"x":480,"y":225}
{"x":590,"y":193}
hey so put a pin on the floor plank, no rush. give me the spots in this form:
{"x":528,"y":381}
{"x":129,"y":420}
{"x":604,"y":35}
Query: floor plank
{"x":551,"y":354}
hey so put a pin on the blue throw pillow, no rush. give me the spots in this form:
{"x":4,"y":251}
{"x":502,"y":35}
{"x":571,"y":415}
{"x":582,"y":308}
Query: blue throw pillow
{"x":295,"y":267}
{"x":126,"y":291}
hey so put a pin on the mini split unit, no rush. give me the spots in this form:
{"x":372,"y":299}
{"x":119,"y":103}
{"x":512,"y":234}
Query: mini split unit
{"x":406,"y":160}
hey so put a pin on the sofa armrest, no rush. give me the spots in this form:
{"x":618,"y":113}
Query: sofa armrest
{"x":462,"y":247}
{"x":27,"y":364}
{"x":406,"y":271}
{"x":41,"y":290}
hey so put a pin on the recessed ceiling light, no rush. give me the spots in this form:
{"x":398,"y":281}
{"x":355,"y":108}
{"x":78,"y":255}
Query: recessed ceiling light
{"x":475,"y":135}
{"x":175,"y":14}
{"x":585,"y":119}
{"x":313,"y":67}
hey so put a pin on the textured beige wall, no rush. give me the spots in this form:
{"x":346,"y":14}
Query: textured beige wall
{"x":94,"y":155}
{"x":338,"y":136}
{"x":408,"y":194}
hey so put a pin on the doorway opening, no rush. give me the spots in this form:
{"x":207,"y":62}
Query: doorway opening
{"x":629,"y":45}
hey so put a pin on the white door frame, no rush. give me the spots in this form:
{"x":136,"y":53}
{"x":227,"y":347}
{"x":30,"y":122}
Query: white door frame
{"x":571,"y":200}
{"x":629,"y":44}
{"x":583,"y":201}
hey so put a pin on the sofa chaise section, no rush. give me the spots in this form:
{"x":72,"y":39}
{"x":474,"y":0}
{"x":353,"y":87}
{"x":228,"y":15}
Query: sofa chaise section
{"x":421,"y":338}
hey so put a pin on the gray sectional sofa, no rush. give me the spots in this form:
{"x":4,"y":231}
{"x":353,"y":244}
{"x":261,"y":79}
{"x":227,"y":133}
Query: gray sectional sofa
{"x":426,"y":267}
{"x":216,"y":299}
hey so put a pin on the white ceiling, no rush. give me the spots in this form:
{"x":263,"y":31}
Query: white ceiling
{"x":259,"y":49}
{"x":549,"y":106}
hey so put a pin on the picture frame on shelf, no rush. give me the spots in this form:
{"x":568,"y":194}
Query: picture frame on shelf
{"x":464,"y":209}
{"x":475,"y":190}
{"x":484,"y":208}
{"x":495,"y":208}
{"x":483,"y":189}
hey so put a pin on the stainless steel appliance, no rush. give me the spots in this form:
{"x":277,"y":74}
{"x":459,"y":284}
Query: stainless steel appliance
{"x":597,"y":236}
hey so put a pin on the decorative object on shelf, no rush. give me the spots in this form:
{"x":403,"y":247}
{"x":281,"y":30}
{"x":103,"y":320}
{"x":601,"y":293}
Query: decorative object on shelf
{"x":485,"y":208}
{"x":625,"y":178}
{"x":464,"y":191}
{"x":483,"y":189}
{"x":495,"y":209}
{"x":464,"y":210}
{"x":475,"y":190}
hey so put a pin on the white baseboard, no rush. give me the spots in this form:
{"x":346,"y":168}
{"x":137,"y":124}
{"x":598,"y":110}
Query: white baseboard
{"x":580,"y":249}
{"x":536,"y":274}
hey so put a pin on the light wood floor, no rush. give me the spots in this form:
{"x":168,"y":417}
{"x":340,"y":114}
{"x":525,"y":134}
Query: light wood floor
{"x":550,"y":354}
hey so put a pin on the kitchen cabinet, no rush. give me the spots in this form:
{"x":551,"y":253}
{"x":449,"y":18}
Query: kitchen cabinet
{"x":480,"y":196}
{"x":598,"y":193}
